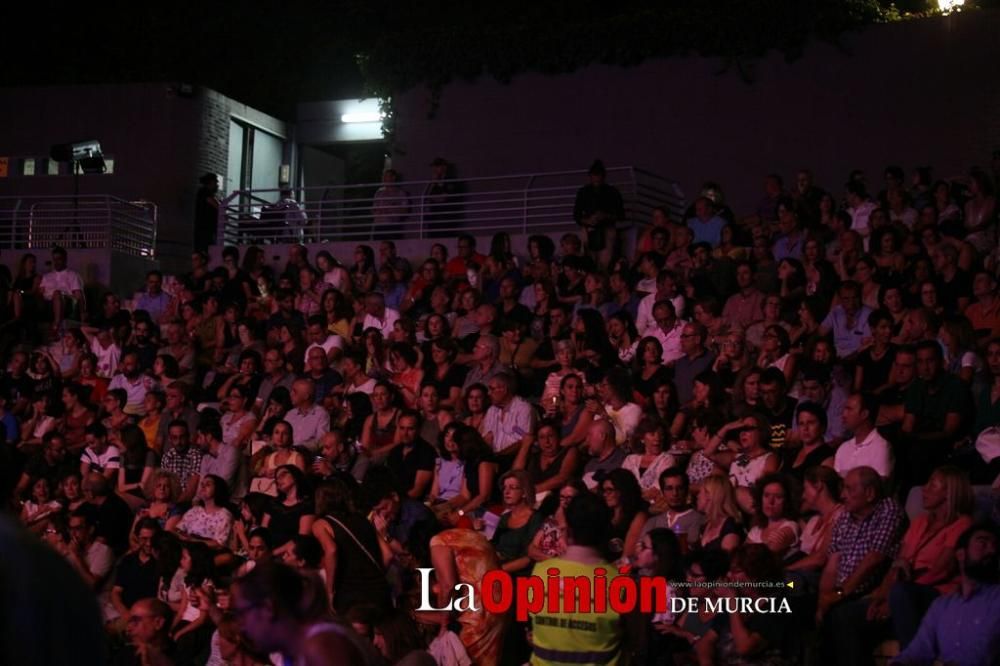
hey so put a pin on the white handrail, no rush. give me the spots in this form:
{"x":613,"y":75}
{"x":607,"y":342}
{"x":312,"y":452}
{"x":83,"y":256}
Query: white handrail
{"x":528,"y":202}
{"x":84,"y":221}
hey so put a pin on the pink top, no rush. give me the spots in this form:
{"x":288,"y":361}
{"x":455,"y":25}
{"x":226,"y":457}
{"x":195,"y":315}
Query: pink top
{"x":922,"y":549}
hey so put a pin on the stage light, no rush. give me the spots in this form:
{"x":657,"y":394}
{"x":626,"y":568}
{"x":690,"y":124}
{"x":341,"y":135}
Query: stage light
{"x":86,"y":154}
{"x":950,"y":5}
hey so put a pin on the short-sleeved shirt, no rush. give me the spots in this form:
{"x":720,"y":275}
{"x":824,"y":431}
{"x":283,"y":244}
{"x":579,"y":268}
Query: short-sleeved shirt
{"x":847,"y":339}
{"x":225,"y":464}
{"x":65,"y":281}
{"x":405,"y":464}
{"x":137,"y":579}
{"x":509,"y":424}
{"x":184,"y":465}
{"x":931,"y":402}
{"x":595,"y":470}
{"x":872,"y":451}
{"x":309,"y":425}
{"x":880,"y":531}
{"x":111,"y":458}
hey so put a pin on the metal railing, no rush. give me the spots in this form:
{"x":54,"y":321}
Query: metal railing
{"x":85,"y":221}
{"x":521,"y":203}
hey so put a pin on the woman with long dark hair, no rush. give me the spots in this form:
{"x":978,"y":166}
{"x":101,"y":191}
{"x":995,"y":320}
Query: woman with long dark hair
{"x":292,"y":512}
{"x":551,"y":464}
{"x":623,"y":496}
{"x":351,"y":557}
{"x":363,"y":271}
{"x":649,"y":369}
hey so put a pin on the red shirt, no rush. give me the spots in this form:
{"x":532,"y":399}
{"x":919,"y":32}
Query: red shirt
{"x":457,"y":266}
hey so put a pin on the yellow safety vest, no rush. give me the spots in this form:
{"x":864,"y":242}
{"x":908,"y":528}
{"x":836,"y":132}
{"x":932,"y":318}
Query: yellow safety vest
{"x":563,"y":638}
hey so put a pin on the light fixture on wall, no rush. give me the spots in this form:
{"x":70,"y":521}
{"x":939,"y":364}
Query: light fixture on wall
{"x":361,"y":117}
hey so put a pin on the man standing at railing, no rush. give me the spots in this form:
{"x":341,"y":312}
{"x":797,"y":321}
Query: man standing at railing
{"x":597,"y":209}
{"x":293,"y":216}
{"x":440,"y":200}
{"x":390,"y":208}
{"x":206,"y":212}
{"x":63,"y":288}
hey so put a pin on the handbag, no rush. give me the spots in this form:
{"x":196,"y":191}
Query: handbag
{"x":377,"y":563}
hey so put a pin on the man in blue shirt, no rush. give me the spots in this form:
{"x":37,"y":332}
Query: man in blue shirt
{"x":964,"y":627}
{"x":705,"y":225}
{"x":847,"y":322}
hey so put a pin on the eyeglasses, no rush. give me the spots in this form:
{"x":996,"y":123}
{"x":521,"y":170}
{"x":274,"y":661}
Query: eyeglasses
{"x":136,"y":619}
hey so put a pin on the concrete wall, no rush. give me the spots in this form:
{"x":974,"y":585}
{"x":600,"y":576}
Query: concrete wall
{"x":914,"y":93}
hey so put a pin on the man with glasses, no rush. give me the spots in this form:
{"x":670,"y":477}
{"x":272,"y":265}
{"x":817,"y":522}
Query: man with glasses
{"x":275,"y":375}
{"x":149,"y":623}
{"x":91,"y":558}
{"x":485,"y":364}
{"x":847,"y":322}
{"x":458,"y":266}
{"x":509,"y":423}
{"x":679,"y":516}
{"x":696,"y":359}
{"x":137,"y":575}
{"x":668,"y":330}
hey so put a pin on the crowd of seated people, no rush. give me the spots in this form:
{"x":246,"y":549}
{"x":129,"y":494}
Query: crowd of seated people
{"x":253,"y":462}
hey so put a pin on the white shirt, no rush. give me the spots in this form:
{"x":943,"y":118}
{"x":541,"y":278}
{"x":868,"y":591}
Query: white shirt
{"x":624,"y":420}
{"x":671,"y":341}
{"x":859,"y":217}
{"x":510,"y":424}
{"x":308,"y":426}
{"x":136,"y":392}
{"x":385,"y":324}
{"x":873,"y":451}
{"x":107,"y":359}
{"x":331,"y":342}
{"x":66,"y":281}
{"x":367,"y":387}
{"x":110,"y":459}
{"x":644,"y":322}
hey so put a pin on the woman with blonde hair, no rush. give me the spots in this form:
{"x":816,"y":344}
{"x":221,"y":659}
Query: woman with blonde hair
{"x":926,"y":566}
{"x":722,"y":528}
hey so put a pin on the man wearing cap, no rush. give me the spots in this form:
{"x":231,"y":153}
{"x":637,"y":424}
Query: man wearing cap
{"x":597,"y":208}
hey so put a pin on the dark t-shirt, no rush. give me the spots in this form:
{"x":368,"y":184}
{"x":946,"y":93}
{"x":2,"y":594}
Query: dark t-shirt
{"x":959,"y":287}
{"x":780,"y":422}
{"x":137,"y":579}
{"x":876,"y":373}
{"x":405,"y":465}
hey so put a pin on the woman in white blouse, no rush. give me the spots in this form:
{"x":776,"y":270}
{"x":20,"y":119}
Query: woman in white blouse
{"x":774,"y":523}
{"x":238,"y":423}
{"x":211,"y":522}
{"x":648,"y":465}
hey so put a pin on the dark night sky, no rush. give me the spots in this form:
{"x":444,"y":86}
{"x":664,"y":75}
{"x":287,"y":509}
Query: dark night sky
{"x":260,"y":53}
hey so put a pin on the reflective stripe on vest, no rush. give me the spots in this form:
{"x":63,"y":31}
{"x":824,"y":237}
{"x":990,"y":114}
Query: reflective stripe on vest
{"x":575,"y":657}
